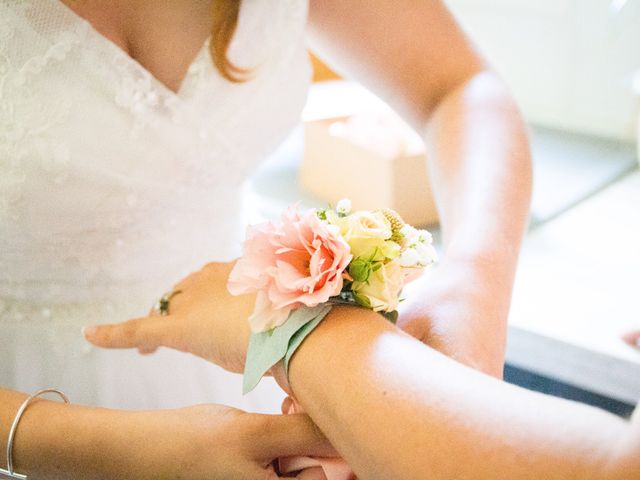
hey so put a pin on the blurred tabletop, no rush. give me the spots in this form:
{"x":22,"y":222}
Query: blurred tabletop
{"x":577,"y":290}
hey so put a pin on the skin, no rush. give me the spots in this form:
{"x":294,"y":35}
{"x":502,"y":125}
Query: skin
{"x":427,"y":416}
{"x":200,"y":442}
{"x":431,"y":418}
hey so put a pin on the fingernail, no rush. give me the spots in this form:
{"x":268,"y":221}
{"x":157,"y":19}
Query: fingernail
{"x":89,"y":331}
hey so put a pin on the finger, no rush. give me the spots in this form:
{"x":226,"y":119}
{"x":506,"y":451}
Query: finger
{"x":146,"y":333}
{"x":287,"y":405}
{"x":632,"y":338}
{"x":315,"y":473}
{"x":267,"y":473}
{"x":292,"y":435}
{"x":147,"y":349}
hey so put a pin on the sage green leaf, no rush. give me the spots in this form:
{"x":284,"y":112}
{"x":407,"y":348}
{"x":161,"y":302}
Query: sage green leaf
{"x":391,"y":316}
{"x":268,"y":348}
{"x":299,"y":337}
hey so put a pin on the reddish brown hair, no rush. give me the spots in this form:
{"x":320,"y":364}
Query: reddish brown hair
{"x":225,"y":20}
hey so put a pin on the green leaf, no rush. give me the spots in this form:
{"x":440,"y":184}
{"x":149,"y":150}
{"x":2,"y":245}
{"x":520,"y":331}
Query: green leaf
{"x":268,"y":348}
{"x":391,"y":316}
{"x":360,"y":269}
{"x":362,"y":300}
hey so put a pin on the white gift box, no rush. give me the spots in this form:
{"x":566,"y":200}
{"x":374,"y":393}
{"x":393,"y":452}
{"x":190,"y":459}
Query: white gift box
{"x":373,"y":159}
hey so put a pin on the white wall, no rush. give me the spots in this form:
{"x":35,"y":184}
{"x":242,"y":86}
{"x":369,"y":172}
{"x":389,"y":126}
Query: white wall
{"x":570,"y":63}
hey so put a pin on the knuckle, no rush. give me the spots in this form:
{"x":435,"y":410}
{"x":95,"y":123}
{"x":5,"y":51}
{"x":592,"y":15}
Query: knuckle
{"x":185,"y":281}
{"x":129,"y":330}
{"x":105,"y":333}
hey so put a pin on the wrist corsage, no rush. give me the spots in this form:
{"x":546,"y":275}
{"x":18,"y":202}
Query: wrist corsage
{"x":305,"y":263}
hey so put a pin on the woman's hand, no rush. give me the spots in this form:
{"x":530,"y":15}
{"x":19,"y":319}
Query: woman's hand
{"x":449,"y":310}
{"x":456,"y":311}
{"x":55,"y":441}
{"x":213,"y":441}
{"x":205,"y":320}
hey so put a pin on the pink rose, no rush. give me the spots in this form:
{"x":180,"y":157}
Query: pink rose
{"x":296,"y":262}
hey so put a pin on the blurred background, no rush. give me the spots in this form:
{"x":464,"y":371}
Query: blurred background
{"x":574,"y":68}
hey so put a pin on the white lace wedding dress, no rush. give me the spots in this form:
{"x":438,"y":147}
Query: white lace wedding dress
{"x":112,"y":188}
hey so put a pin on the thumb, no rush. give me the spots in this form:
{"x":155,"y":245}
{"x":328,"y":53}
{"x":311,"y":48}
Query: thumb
{"x":292,"y":435}
{"x":146,"y":333}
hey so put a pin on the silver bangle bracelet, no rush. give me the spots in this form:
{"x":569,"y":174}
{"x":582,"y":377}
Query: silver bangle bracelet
{"x":14,"y":426}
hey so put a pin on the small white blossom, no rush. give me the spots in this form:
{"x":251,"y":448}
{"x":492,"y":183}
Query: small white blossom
{"x":409,"y":235}
{"x":343,"y":207}
{"x":409,"y":258}
{"x":427,"y":254}
{"x":424,"y":236}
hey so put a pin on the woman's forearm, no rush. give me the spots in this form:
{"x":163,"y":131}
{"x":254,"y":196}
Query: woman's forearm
{"x":415,"y":56}
{"x":480,"y":169}
{"x":55,"y":440}
{"x":480,"y":166}
{"x":398,"y":409}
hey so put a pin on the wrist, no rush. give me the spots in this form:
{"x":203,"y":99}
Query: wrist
{"x":54,"y":438}
{"x":345,"y":331}
{"x":461,"y":310}
{"x":485,"y":273}
{"x":484,"y":252}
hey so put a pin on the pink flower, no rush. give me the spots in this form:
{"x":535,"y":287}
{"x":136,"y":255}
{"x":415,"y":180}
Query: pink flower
{"x":299,"y":261}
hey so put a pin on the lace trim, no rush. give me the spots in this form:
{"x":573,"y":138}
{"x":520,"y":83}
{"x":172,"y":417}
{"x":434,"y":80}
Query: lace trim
{"x":25,"y":121}
{"x":56,"y":52}
{"x":138,"y":96}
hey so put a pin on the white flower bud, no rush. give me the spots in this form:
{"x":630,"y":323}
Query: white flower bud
{"x":426,"y":253}
{"x":424,"y":236}
{"x":409,"y":235}
{"x":343,"y":207}
{"x":409,"y":258}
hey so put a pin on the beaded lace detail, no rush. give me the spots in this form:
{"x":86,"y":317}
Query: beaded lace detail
{"x":111,"y":185}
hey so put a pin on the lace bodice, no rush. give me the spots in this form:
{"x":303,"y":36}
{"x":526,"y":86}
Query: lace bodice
{"x":111,"y":185}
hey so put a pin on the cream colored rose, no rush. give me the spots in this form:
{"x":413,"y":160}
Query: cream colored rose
{"x":382,"y":291}
{"x":367,"y":233}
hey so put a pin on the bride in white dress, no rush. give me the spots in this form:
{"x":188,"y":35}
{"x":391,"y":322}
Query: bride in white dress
{"x":116,"y":182}
{"x":113,"y":187}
